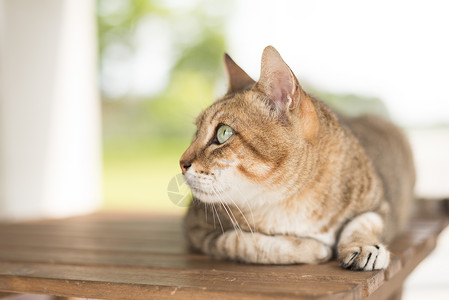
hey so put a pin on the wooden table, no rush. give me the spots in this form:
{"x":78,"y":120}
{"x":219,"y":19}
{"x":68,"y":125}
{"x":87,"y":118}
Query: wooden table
{"x":138,"y":256}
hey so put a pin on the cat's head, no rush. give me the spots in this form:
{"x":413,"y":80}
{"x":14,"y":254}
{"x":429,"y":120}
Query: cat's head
{"x":251,"y":144}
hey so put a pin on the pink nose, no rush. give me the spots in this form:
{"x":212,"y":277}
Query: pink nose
{"x":185,"y":165}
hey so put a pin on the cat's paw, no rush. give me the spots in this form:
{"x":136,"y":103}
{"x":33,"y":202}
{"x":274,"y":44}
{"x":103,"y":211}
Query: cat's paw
{"x":364,"y":258}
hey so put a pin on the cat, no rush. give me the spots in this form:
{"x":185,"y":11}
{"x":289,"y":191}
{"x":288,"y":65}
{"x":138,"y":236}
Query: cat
{"x":278,"y":177}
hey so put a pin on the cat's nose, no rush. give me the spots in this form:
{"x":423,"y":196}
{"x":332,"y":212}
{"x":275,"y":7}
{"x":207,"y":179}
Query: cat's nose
{"x":185,"y":165}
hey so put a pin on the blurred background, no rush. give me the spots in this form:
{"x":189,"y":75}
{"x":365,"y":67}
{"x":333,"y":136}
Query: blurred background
{"x":98,"y":98}
{"x":161,"y":64}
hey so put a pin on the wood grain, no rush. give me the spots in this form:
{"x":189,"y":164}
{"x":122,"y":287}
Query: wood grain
{"x":120,"y":256}
{"x":5,"y":295}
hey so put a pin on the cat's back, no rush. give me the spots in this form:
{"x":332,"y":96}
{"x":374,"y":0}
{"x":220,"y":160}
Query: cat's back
{"x":389,"y":150}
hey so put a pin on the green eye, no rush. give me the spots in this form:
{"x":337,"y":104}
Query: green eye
{"x":224,"y":132}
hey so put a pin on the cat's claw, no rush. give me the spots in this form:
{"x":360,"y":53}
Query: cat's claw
{"x":364,"y":258}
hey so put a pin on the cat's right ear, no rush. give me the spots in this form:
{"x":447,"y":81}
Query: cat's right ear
{"x":281,"y":86}
{"x":237,"y":78}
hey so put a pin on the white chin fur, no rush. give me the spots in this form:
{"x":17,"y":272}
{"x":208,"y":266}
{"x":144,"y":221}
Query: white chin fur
{"x":229,"y":187}
{"x":210,"y":188}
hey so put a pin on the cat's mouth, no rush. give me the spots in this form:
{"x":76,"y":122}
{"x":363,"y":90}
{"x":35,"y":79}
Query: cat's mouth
{"x":197,"y":187}
{"x":206,"y":191}
{"x":197,"y":192}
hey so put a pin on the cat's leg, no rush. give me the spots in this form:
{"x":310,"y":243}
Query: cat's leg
{"x":215,"y":236}
{"x":360,"y":247}
{"x":267,"y":249}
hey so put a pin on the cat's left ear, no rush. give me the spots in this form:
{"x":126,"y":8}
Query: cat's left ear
{"x":238,"y":79}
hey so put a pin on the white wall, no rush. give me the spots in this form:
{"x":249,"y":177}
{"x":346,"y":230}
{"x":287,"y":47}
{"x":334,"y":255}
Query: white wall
{"x":50,"y":157}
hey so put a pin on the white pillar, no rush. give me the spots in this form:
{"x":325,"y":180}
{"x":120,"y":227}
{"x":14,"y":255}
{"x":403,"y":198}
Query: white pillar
{"x":50,"y":144}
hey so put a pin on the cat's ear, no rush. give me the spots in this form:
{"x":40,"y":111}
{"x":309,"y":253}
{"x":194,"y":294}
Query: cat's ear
{"x":238,"y":79}
{"x":277,"y":80}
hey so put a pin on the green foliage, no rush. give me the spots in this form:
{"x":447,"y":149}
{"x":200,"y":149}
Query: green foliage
{"x":118,"y":19}
{"x":198,"y":43}
{"x":204,"y":57}
{"x":144,"y":137}
{"x":174,"y":112}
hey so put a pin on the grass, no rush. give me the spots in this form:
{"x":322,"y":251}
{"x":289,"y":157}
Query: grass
{"x":137,"y":171}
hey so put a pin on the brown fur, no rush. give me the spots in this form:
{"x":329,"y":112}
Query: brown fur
{"x":321,"y":180}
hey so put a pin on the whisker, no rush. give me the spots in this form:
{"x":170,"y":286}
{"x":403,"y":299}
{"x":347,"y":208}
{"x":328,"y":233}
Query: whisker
{"x":205,"y":211}
{"x":213,"y":213}
{"x":252,"y":229}
{"x":247,"y":205}
{"x":234,"y":223}
{"x":221,"y":202}
{"x":236,"y":227}
{"x":218,"y":217}
{"x":220,"y":188}
{"x":241,"y":212}
{"x":233,"y":216}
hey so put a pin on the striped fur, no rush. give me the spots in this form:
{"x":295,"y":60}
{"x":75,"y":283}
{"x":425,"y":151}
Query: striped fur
{"x":296,"y":180}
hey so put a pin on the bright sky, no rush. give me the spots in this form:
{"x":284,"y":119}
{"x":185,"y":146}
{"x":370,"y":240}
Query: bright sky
{"x":395,"y":50}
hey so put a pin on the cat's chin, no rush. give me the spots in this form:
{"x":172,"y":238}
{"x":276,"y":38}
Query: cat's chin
{"x":208,"y":196}
{"x":204,"y":189}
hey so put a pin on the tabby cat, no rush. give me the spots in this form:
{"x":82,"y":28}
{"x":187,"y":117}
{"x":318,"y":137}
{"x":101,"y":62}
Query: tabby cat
{"x":279,"y":178}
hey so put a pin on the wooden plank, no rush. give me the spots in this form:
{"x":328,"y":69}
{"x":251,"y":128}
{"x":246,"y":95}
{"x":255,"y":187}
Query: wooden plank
{"x":129,"y":245}
{"x":97,"y":243}
{"x":149,"y":233}
{"x":149,"y":229}
{"x":415,"y":234}
{"x":132,"y":241}
{"x":124,"y":225}
{"x":5,"y":295}
{"x":96,"y":282}
{"x":129,"y":226}
{"x":101,"y":227}
{"x":142,"y":238}
{"x":17,"y":253}
{"x":331,"y":271}
{"x":395,"y":283}
{"x":110,"y":216}
{"x":394,"y":267}
{"x":127,"y":221}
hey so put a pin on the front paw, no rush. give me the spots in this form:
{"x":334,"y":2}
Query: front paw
{"x":364,"y":257}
